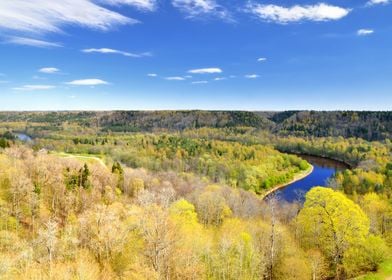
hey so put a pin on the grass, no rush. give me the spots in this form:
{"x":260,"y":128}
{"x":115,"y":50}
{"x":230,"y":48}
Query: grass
{"x":83,"y":157}
{"x":384,"y":272}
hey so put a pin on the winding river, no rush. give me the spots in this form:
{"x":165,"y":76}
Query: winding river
{"x":323,"y":170}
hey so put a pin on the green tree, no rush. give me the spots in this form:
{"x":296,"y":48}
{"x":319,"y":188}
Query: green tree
{"x":84,"y":175}
{"x":119,"y":171}
{"x":4,"y":143}
{"x":377,"y":210}
{"x":365,"y":256}
{"x":332,"y":222}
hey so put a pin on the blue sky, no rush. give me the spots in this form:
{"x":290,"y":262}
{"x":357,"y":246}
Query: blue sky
{"x":195,"y":54}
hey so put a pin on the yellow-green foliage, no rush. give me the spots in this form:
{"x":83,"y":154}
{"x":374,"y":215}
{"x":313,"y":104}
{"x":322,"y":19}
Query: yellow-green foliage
{"x":171,"y":225}
{"x":365,"y":256}
{"x":332,"y":222}
{"x":251,"y":167}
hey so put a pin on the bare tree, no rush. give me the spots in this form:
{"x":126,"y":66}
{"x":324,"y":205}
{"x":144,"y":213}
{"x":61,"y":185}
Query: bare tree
{"x":272,"y":202}
{"x":160,"y":237}
{"x":48,"y":237}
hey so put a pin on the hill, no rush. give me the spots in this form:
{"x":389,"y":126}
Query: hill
{"x":361,"y":124}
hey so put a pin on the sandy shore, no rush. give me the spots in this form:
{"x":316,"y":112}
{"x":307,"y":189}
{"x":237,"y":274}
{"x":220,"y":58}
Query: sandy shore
{"x":298,"y":177}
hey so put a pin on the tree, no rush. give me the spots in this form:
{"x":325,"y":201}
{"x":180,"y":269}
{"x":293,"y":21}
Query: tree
{"x":160,"y":236}
{"x":22,"y":195}
{"x":184,"y":212}
{"x":48,"y":236}
{"x":317,"y":263}
{"x":271,"y":254}
{"x":119,"y":171}
{"x":211,"y":206}
{"x":103,"y":231}
{"x":377,"y":210}
{"x":4,"y":143}
{"x":234,"y":254}
{"x":84,"y":174}
{"x":191,"y":242}
{"x":332,"y":222}
{"x":136,"y":186}
{"x":365,"y":256}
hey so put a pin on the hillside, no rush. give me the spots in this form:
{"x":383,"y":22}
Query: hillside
{"x":366,"y":125}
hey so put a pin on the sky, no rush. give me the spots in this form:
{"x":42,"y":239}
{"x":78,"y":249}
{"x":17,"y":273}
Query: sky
{"x":195,"y":54}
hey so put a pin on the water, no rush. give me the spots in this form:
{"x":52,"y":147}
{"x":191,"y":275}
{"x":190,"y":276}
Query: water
{"x":24,"y":137}
{"x":323,"y":170}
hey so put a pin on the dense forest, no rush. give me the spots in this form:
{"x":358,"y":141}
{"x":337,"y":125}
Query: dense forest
{"x":180,"y":195}
{"x":250,"y":167}
{"x":361,"y":124}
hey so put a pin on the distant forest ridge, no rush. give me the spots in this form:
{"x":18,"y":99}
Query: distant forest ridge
{"x":363,"y":124}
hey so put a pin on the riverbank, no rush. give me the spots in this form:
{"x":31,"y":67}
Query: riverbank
{"x":297,"y":178}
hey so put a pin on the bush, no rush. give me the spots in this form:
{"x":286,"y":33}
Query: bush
{"x":366,"y":256}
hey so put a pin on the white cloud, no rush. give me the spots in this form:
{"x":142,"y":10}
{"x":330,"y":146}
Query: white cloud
{"x":153,"y":75}
{"x":195,"y":8}
{"x":175,"y":78}
{"x":252,"y":76}
{"x":378,"y":2}
{"x":31,"y":42}
{"x":87,"y":82}
{"x":49,"y":70}
{"x":220,"y":79}
{"x":262,"y":59}
{"x":113,"y":51}
{"x":365,"y":32}
{"x":283,"y":15}
{"x":199,"y":82}
{"x":206,"y":71}
{"x":36,"y":77}
{"x":41,"y":16}
{"x":34,"y":87}
{"x":147,"y":5}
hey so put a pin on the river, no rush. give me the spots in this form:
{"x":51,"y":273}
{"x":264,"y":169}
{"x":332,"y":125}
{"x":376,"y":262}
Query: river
{"x":323,"y":170}
{"x":24,"y":137}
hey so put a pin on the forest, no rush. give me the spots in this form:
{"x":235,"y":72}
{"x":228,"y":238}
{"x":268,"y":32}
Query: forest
{"x":181,"y":195}
{"x":360,"y":124}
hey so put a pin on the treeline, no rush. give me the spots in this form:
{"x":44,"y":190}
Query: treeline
{"x":365,"y":125}
{"x":47,"y":117}
{"x":61,"y":218}
{"x":180,"y":120}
